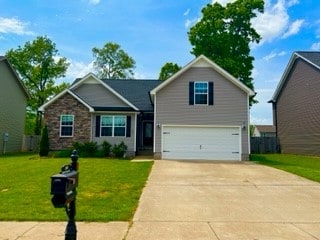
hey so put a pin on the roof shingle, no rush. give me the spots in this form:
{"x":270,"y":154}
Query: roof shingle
{"x":135,"y":91}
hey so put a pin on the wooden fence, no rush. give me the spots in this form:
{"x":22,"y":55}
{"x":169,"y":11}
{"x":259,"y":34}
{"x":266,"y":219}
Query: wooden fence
{"x":30,"y":143}
{"x":264,"y":145}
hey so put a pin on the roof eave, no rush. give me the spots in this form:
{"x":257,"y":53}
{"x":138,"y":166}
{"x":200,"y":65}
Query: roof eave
{"x":214,"y":66}
{"x":24,"y":89}
{"x":43,"y":107}
{"x":106,"y":86}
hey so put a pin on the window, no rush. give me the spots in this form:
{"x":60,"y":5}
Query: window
{"x":113,"y":126}
{"x":66,"y":125}
{"x":200,"y":93}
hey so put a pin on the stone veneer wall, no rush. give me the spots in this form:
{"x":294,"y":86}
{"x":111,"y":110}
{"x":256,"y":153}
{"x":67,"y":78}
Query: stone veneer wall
{"x":67,"y":104}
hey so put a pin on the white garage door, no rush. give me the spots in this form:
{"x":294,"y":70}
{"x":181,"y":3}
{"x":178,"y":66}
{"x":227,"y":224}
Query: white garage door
{"x":203,"y":143}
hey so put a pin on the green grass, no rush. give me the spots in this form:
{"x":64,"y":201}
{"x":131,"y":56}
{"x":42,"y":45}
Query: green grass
{"x":304,"y":166}
{"x":108,"y":190}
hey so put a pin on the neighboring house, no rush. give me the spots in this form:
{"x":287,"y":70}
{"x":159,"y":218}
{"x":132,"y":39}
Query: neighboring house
{"x":264,"y":131}
{"x":13,"y":102}
{"x":201,"y":112}
{"x":296,"y":104}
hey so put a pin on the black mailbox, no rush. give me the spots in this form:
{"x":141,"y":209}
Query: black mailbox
{"x":63,"y":187}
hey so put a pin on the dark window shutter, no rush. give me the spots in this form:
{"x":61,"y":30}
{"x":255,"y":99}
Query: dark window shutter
{"x":191,"y":93}
{"x":97,"y":126}
{"x":211,"y":93}
{"x":128,"y":131}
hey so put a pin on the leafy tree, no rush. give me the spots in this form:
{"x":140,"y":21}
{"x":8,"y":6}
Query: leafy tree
{"x":39,"y":64}
{"x":112,"y":62}
{"x":168,"y":70}
{"x":44,"y":143}
{"x":224,"y":35}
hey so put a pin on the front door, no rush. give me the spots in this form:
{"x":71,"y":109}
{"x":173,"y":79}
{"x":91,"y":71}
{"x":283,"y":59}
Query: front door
{"x":147,"y":134}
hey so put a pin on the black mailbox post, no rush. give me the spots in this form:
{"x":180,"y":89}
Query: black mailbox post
{"x":63,"y":189}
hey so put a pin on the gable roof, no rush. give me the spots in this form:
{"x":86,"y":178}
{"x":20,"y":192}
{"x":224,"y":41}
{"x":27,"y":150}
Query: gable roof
{"x":42,"y":108}
{"x":135,"y":91}
{"x":78,"y":82}
{"x":203,"y":61}
{"x":24,"y":89}
{"x":312,"y":58}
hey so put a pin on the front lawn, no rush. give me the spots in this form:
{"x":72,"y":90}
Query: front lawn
{"x":108,"y":190}
{"x":304,"y":166}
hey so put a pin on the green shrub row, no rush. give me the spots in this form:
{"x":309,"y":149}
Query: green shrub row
{"x":92,"y":149}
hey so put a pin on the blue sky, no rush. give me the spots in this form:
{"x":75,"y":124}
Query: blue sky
{"x":155,"y":32}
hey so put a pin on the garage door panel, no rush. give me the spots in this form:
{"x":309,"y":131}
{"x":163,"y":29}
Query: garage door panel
{"x":209,"y":143}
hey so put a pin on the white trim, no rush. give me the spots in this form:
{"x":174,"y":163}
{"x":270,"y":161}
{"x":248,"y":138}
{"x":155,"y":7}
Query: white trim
{"x":61,"y":115}
{"x":194,"y":93}
{"x":42,"y":108}
{"x":91,"y":75}
{"x":135,"y":132}
{"x":212,"y":65}
{"x":155,"y":124}
{"x":239,"y":128}
{"x":202,"y":126}
{"x":114,"y":112}
{"x":248,"y":126}
{"x":113,"y":126}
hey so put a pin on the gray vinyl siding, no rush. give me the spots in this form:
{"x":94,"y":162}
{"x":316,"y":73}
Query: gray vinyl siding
{"x":129,"y":141}
{"x":297,"y":109}
{"x":97,"y":95}
{"x":230,"y":105}
{"x":13,"y":103}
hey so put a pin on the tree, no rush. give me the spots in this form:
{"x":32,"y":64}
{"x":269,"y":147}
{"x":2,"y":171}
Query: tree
{"x":39,"y":64}
{"x":168,"y":70}
{"x":224,"y":35}
{"x":112,"y":62}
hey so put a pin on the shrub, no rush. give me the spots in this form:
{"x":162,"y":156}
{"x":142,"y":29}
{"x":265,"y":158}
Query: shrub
{"x":44,"y":142}
{"x":119,"y":150}
{"x":86,"y":149}
{"x":106,"y":147}
{"x":63,"y":153}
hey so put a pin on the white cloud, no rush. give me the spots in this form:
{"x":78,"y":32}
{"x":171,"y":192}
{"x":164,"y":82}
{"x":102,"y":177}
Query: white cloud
{"x":317,"y":24}
{"x":275,"y":21}
{"x":78,"y":70}
{"x":190,"y":22}
{"x":315,"y":46}
{"x":274,"y":54}
{"x":294,"y":28}
{"x":186,"y":13}
{"x":291,"y":3}
{"x":223,"y":2}
{"x":94,"y":2}
{"x":14,"y":25}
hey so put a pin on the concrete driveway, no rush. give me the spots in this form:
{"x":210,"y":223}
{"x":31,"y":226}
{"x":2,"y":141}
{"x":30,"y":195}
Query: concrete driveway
{"x":220,"y":201}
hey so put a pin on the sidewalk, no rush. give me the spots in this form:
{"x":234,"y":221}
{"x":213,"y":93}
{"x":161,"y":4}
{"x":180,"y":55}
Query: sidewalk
{"x":55,"y":230}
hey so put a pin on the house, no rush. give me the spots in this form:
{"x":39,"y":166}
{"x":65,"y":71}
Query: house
{"x":296,"y":104}
{"x":13,"y":103}
{"x":201,"y":112}
{"x":264,"y":131}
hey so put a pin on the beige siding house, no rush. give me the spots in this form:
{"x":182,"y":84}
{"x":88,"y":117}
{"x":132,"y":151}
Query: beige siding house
{"x":13,"y":102}
{"x":200,"y":113}
{"x":296,"y":104}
